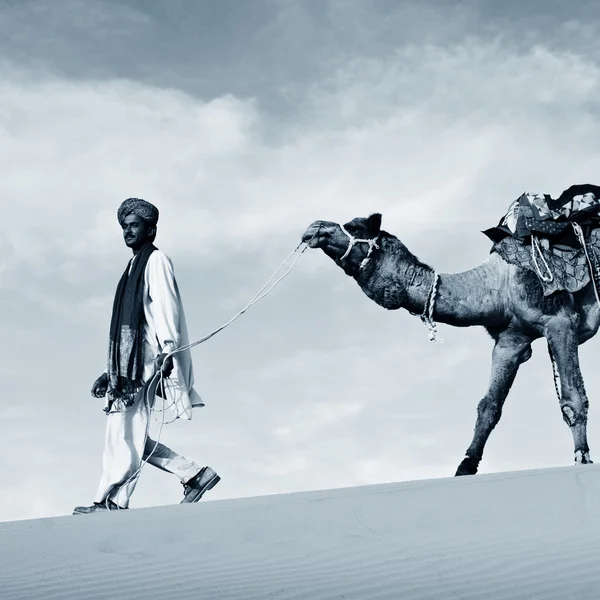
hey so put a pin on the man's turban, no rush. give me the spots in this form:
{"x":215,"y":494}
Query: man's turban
{"x":139,"y":207}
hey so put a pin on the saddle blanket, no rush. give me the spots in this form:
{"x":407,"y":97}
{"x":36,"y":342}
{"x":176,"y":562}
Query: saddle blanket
{"x":556,"y":269}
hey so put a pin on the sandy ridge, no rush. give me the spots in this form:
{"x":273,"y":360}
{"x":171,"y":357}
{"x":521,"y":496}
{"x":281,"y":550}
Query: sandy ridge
{"x":529,"y":535}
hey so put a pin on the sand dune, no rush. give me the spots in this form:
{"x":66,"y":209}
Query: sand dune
{"x":522,"y":535}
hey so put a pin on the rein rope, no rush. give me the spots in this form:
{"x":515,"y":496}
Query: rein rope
{"x":158,"y":380}
{"x":259,"y":296}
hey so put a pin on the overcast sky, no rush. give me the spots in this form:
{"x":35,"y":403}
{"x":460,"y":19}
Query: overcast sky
{"x":244,"y":122}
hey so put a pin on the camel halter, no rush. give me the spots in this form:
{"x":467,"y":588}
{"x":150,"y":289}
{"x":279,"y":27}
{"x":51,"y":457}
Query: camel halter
{"x":352,"y":241}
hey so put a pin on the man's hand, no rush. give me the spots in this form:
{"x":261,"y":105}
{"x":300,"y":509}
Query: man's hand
{"x":165,"y":365}
{"x":100,"y":386}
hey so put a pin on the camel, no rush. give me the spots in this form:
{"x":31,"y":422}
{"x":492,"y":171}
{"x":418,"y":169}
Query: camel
{"x":506,"y":300}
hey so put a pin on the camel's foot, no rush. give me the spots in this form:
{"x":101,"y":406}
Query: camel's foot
{"x":582,"y":458}
{"x":467,"y":467}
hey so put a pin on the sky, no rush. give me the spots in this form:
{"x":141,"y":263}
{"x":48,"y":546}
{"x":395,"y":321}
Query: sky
{"x":243,"y":123}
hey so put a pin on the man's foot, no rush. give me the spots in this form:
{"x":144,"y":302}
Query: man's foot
{"x":204,"y":480}
{"x":97,"y":507}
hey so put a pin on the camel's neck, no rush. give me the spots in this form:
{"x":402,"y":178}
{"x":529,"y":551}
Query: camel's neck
{"x":418,"y":280}
{"x":400,"y":280}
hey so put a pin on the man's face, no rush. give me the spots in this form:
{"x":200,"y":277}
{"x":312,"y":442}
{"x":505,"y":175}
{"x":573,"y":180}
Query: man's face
{"x":136,"y":231}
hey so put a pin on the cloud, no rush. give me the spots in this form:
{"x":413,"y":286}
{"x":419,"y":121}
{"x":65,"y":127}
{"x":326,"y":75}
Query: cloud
{"x":412,"y":135}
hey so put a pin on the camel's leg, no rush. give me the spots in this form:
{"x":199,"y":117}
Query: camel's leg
{"x":512,"y":349}
{"x":561,"y":333}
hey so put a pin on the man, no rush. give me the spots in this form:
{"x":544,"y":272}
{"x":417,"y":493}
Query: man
{"x":147,"y":324}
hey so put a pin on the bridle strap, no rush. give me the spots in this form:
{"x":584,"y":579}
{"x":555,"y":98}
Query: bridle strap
{"x":352,"y":241}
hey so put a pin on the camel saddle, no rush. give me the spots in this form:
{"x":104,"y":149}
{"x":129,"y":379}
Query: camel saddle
{"x":538,"y":233}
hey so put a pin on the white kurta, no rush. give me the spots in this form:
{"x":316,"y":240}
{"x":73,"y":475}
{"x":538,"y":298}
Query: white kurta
{"x":127,"y":444}
{"x":165,"y":330}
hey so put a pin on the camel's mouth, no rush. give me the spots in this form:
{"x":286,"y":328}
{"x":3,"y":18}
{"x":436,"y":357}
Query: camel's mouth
{"x":313,"y":242}
{"x":316,"y":234}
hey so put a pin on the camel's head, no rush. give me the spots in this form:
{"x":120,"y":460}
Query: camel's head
{"x":350,"y":245}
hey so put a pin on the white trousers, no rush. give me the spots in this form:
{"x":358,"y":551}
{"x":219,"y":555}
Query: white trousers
{"x":127,"y":446}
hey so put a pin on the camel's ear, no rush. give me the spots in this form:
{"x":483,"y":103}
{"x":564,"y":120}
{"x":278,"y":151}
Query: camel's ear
{"x":374,"y":224}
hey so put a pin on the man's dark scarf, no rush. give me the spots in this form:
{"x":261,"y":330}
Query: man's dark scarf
{"x":126,"y":343}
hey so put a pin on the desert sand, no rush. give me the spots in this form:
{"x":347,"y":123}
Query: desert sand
{"x":518,"y":535}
